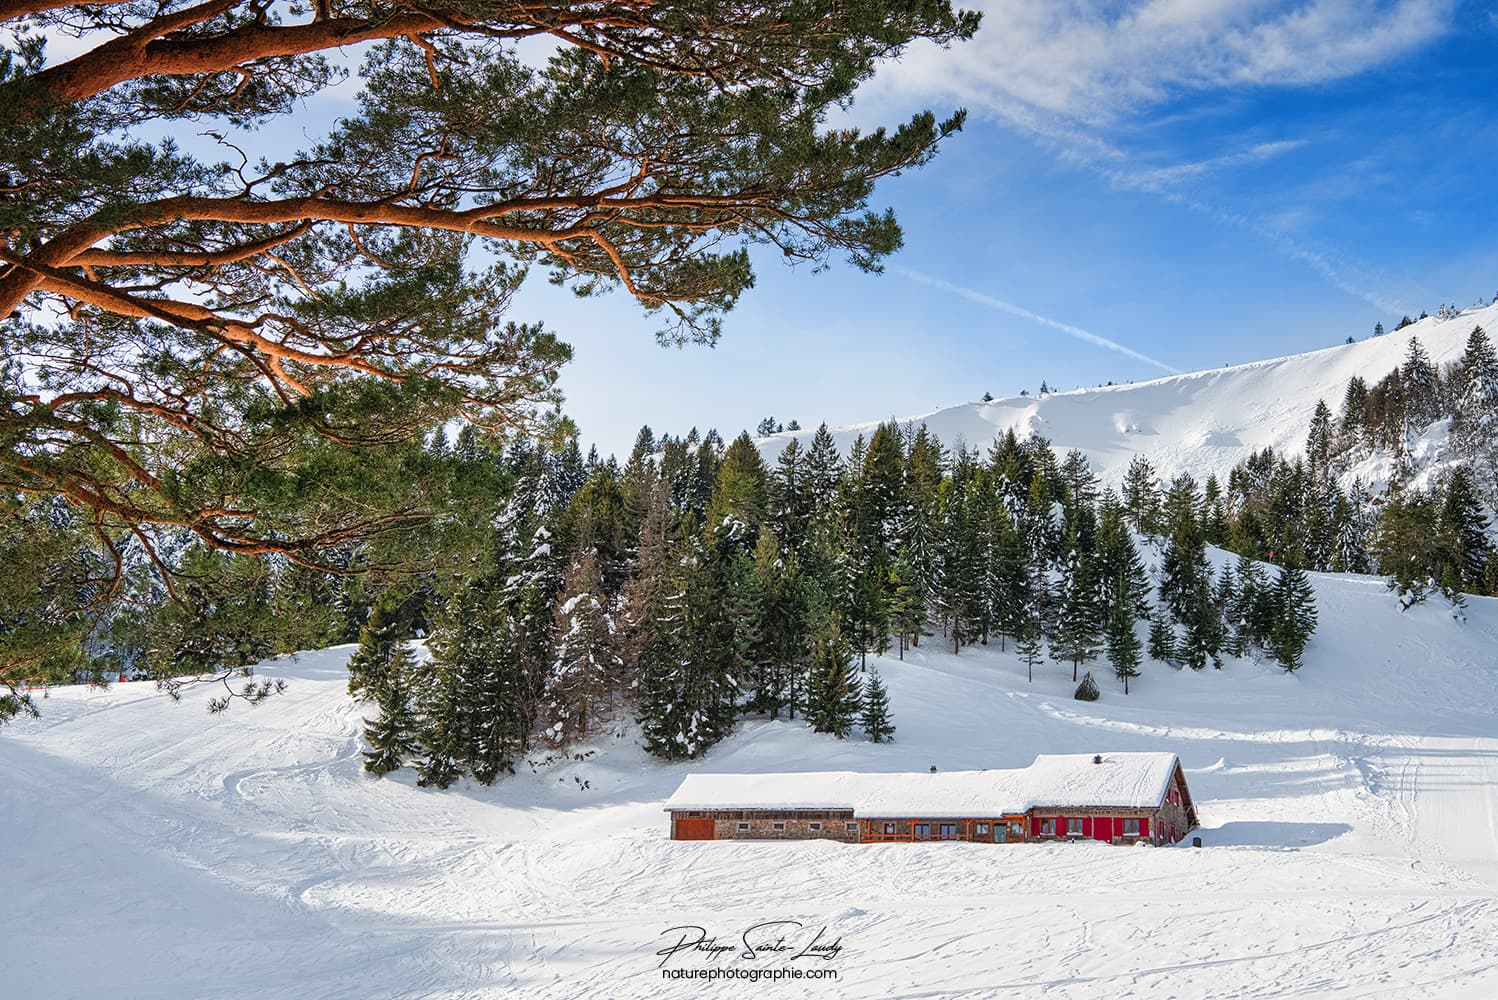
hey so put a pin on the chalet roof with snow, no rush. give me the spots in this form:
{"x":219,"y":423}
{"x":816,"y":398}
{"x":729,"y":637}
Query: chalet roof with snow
{"x":1120,"y":780}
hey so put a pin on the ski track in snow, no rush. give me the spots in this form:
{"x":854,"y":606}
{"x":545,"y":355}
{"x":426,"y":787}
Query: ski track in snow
{"x":1350,"y":814}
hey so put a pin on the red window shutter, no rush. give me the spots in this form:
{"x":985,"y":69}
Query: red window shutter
{"x":1102,"y":829}
{"x":1144,"y":826}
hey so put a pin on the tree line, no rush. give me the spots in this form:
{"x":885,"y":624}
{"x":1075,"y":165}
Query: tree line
{"x":1431,"y":433}
{"x":697,"y":584}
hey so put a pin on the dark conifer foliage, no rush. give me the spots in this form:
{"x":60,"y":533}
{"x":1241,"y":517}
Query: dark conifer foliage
{"x":393,"y":736}
{"x":835,"y":696}
{"x":378,"y":640}
{"x":1295,"y":617}
{"x":876,"y":721}
{"x":1125,"y":651}
{"x":1162,"y":638}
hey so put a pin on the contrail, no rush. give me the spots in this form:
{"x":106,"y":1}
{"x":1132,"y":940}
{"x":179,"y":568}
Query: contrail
{"x":1022,"y":313}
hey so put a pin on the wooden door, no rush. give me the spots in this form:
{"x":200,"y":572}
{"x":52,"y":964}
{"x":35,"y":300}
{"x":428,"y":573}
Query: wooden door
{"x":694,"y":829}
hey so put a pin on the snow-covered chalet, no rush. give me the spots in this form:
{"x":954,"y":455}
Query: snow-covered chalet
{"x":1116,"y":798}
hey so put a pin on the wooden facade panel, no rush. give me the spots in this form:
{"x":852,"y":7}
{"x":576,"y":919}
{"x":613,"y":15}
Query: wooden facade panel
{"x":692,"y":828}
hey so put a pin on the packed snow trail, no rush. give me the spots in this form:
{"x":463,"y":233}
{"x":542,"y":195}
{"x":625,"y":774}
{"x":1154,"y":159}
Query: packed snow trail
{"x":1348,"y":813}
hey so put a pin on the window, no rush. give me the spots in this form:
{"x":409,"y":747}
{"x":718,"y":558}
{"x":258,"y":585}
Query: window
{"x":889,"y":828}
{"x":982,"y":829}
{"x":923,"y":831}
{"x":852,"y":827}
{"x":1048,"y":828}
{"x":1131,"y":828}
{"x":947,"y":831}
{"x":780,"y":826}
{"x":1074,"y":828}
{"x":815,"y":826}
{"x":743,"y":827}
{"x":1016,"y":830}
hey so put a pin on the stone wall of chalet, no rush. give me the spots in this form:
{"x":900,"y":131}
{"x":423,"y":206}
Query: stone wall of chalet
{"x":790,"y":824}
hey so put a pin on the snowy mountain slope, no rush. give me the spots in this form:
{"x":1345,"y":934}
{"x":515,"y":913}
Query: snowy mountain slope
{"x":1203,"y":422}
{"x":1350,"y":814}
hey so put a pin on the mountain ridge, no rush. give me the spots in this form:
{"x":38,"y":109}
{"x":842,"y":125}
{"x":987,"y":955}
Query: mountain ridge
{"x":1203,"y":422}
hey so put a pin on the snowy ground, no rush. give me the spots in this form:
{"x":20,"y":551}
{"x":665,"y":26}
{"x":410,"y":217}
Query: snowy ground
{"x":1350,"y":815}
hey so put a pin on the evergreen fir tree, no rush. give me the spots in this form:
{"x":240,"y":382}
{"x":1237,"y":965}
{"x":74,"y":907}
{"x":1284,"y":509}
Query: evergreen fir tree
{"x":1123,"y":645}
{"x":835,"y":696}
{"x":790,"y":497}
{"x":1352,"y":425}
{"x":1319,"y":442}
{"x":1214,"y":513}
{"x":585,"y":666}
{"x":1464,"y":528}
{"x":442,"y":744}
{"x":907,"y":611}
{"x":1119,"y":565}
{"x":1203,"y":639}
{"x":502,"y":715}
{"x":1419,"y":379}
{"x":1162,"y":639}
{"x":876,"y":719}
{"x":1474,"y":427}
{"x":1408,"y":543}
{"x":378,"y":639}
{"x":1008,"y":572}
{"x":1079,"y":633}
{"x":823,"y":468}
{"x":392,"y":735}
{"x":1141,"y":496}
{"x":466,"y":640}
{"x":1296,"y":619}
{"x":1027,"y":642}
{"x":690,"y":694}
{"x":922,"y":531}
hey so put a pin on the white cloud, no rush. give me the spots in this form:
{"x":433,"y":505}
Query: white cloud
{"x":1052,"y":65}
{"x":1081,"y":76}
{"x":1158,"y":179}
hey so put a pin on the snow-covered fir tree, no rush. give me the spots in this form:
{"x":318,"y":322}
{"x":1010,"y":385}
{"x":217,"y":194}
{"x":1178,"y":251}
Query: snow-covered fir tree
{"x":585,"y":667}
{"x":393,"y":735}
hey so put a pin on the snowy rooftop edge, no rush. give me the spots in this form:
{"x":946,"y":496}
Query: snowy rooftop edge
{"x":1122,"y":780}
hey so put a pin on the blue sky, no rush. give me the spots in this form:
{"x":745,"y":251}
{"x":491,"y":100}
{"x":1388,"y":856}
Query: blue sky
{"x":1198,"y":182}
{"x":1202,"y":182}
